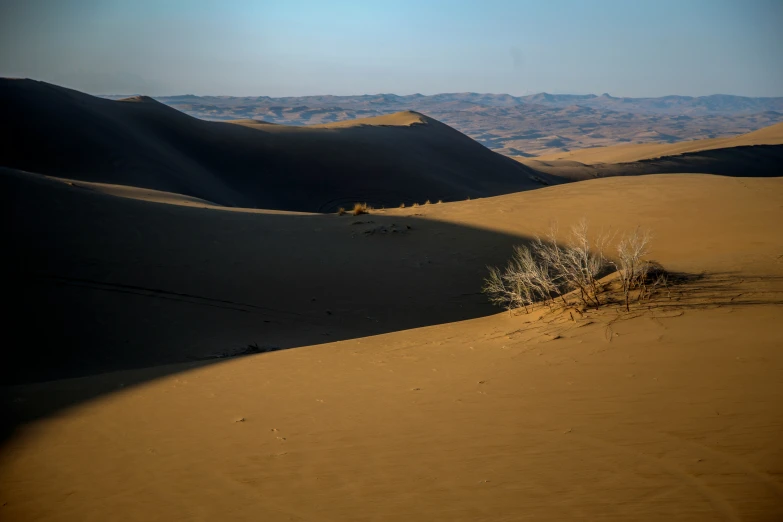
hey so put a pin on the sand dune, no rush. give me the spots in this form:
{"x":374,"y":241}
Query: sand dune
{"x":150,"y":375}
{"x":672,"y":412}
{"x":224,"y":279}
{"x":772,"y":135}
{"x":755,"y":154}
{"x":142,"y":143}
{"x":403,"y":118}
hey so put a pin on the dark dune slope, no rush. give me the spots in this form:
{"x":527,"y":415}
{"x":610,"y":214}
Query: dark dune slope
{"x":404,"y":157}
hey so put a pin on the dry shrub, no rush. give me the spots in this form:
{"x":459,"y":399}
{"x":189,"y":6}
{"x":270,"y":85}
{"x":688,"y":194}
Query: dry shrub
{"x":360,"y":208}
{"x":415,"y":205}
{"x":634,"y":271}
{"x":427,"y":202}
{"x":340,"y":211}
{"x":402,"y":205}
{"x":440,"y":201}
{"x":547,"y":270}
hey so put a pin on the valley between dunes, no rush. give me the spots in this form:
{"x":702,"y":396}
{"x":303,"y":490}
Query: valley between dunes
{"x":406,"y":396}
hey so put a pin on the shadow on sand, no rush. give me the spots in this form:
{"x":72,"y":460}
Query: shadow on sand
{"x":108,"y":292}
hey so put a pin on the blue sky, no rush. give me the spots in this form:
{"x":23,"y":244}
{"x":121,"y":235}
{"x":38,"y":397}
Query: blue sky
{"x":291,"y":48}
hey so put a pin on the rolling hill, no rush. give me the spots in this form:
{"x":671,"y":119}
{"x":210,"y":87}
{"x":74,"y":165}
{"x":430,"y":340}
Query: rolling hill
{"x":140,"y":142}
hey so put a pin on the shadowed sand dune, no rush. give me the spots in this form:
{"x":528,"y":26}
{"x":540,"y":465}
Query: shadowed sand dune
{"x":139,"y":142}
{"x":671,"y":412}
{"x":772,"y":135}
{"x":755,"y":154}
{"x":170,"y":283}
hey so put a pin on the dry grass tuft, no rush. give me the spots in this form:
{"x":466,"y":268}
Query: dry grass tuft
{"x":340,"y":211}
{"x":427,"y":202}
{"x":415,"y":205}
{"x":440,"y":201}
{"x":360,"y":208}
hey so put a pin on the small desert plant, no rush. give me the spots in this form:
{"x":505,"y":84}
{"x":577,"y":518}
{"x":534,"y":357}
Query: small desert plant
{"x":632,"y":269}
{"x":402,"y":205}
{"x":440,"y":201}
{"x":340,"y":211}
{"x":360,"y":208}
{"x":427,"y":202}
{"x":415,"y":205}
{"x":575,"y":265}
{"x":547,"y":270}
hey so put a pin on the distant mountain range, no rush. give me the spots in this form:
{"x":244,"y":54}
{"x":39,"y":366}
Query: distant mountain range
{"x":677,"y":105}
{"x":516,"y":125}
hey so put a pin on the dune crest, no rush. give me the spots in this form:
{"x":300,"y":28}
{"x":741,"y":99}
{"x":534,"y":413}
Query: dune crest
{"x":138,"y":99}
{"x":399,"y":158}
{"x":755,"y":154}
{"x":397,"y":119}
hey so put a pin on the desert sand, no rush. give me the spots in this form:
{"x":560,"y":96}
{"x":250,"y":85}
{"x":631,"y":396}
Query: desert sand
{"x":429,"y":406}
{"x":140,"y":142}
{"x":772,"y":135}
{"x":755,"y":154}
{"x":180,"y":355}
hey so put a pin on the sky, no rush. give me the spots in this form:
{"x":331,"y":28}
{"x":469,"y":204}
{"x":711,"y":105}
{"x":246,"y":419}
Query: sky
{"x":292,"y":48}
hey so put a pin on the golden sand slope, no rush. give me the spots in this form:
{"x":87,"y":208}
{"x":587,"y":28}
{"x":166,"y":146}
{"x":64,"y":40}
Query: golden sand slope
{"x":673,"y":413}
{"x":772,"y":135}
{"x":397,"y":119}
{"x":404,"y":118}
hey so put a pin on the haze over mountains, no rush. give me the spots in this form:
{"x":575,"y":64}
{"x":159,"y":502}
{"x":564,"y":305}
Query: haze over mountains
{"x":516,"y":125}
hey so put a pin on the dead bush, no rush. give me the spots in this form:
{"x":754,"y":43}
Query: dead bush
{"x":360,"y":208}
{"x":548,"y":271}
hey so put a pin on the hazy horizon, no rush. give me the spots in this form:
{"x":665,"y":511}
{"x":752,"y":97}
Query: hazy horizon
{"x":351,"y":95}
{"x":279,"y":49}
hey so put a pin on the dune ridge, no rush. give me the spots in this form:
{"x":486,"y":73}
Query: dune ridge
{"x":755,"y":154}
{"x":140,"y":142}
{"x":772,"y":135}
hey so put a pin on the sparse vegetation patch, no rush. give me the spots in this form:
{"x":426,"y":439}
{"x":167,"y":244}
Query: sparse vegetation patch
{"x":553,"y":273}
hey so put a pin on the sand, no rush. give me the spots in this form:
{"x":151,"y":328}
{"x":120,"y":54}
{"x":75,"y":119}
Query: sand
{"x":755,"y":154}
{"x":422,"y":403}
{"x":772,"y":135}
{"x":139,"y":142}
{"x":178,"y":356}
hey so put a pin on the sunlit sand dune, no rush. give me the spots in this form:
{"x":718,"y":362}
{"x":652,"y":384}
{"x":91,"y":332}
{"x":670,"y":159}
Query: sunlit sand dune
{"x":671,"y":411}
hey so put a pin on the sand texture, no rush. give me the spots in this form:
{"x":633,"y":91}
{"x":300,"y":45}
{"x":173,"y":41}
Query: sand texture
{"x":173,"y":355}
